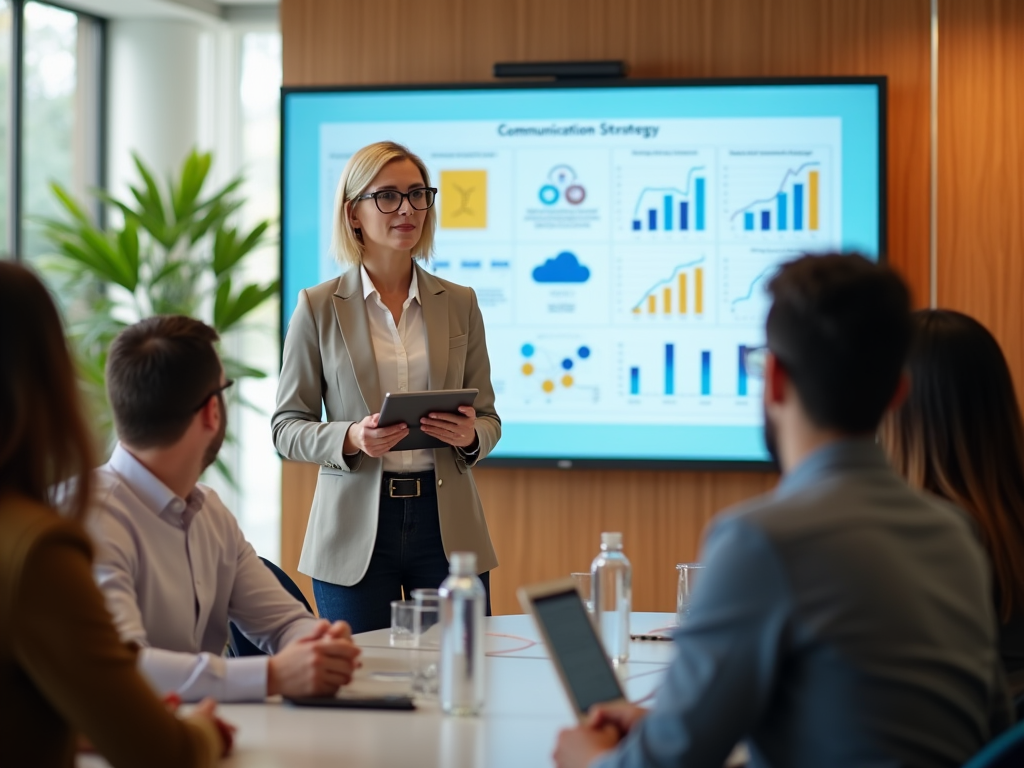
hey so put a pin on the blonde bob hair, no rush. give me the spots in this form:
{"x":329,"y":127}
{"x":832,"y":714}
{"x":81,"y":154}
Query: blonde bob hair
{"x":360,"y":171}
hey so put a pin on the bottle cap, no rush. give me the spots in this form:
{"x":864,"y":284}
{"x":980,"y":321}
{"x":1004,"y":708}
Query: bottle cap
{"x":463,"y":564}
{"x":611,"y":540}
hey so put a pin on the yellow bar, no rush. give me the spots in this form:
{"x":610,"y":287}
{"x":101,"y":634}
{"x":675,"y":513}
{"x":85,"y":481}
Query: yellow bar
{"x":652,"y":304}
{"x":698,"y":290}
{"x":682,"y":293}
{"x":667,"y":297}
{"x":813,"y":200}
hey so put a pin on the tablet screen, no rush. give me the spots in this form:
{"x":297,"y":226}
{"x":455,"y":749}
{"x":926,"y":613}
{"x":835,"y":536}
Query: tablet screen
{"x":575,"y":645}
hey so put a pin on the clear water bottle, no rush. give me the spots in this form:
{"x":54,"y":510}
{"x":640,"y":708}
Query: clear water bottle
{"x":461,"y":666}
{"x":612,"y":593}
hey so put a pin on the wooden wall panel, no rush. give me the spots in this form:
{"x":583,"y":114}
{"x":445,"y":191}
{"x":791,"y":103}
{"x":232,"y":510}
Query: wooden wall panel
{"x":546,"y":523}
{"x":981,"y":167}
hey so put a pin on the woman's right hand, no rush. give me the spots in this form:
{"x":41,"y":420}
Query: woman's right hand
{"x":207,"y":709}
{"x":372,"y":440}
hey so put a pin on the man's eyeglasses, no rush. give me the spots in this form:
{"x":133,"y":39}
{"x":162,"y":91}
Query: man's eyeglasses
{"x":754,"y":360}
{"x":217,"y":391}
{"x":390,"y":200}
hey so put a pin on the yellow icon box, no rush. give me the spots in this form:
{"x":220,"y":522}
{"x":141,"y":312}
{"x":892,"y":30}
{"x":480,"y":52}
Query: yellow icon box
{"x":464,"y":199}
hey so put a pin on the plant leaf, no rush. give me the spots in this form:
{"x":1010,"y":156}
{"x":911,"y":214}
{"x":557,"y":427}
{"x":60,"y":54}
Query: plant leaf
{"x":229,"y":310}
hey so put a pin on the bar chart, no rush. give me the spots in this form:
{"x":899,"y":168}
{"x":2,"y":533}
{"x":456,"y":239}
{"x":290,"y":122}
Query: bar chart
{"x":680,"y":294}
{"x":669,"y":209}
{"x":795,"y":206}
{"x":784,"y":196}
{"x":664,"y":196}
{"x":707,"y":374}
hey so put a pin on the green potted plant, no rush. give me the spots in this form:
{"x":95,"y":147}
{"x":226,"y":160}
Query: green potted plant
{"x":175,"y":251}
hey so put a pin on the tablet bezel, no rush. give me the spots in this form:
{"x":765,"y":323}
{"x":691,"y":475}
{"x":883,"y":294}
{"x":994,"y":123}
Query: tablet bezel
{"x":410,"y":407}
{"x":532,"y":592}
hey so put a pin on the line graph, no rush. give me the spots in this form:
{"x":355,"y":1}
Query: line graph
{"x":668,"y":208}
{"x":776,"y":196}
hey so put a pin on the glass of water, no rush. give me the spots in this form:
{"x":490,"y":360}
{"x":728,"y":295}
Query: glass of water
{"x":583,"y":586}
{"x":689,"y":575}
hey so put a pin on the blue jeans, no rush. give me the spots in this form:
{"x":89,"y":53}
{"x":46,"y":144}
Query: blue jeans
{"x":408,"y":554}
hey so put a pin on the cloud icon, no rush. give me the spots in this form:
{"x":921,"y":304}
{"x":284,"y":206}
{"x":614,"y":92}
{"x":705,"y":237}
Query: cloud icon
{"x":564,"y":268}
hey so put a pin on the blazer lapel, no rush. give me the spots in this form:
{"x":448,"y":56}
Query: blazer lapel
{"x":434,"y":299}
{"x":350,"y":308}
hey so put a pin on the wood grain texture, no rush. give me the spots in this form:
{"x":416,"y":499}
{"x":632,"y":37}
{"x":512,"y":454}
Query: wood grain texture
{"x":547,"y":523}
{"x":981,"y":166}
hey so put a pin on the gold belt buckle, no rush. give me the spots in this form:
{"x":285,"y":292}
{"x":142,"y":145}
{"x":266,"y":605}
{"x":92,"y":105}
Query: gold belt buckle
{"x":391,"y":487}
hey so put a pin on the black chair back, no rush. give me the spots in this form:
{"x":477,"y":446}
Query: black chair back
{"x":238,"y":643}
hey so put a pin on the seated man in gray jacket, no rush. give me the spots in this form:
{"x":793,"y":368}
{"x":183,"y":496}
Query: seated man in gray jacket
{"x":844,"y":619}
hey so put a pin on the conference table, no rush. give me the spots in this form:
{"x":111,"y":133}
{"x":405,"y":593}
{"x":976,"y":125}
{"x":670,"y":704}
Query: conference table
{"x":525,"y":708}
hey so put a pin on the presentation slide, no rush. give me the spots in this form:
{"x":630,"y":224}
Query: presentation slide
{"x":619,"y":240}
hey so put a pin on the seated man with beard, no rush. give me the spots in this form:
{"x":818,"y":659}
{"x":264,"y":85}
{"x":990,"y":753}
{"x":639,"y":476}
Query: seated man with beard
{"x":844,"y":619}
{"x":171,"y":560}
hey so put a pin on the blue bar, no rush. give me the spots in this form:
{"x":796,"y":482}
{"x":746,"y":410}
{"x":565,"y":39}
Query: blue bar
{"x":705,"y":373}
{"x":741,"y":386}
{"x":781,"y":218}
{"x":748,"y":221}
{"x":652,"y":219}
{"x":766,"y":219}
{"x":636,"y":224}
{"x":798,"y":206}
{"x":700,"y":204}
{"x":684,"y":219}
{"x":634,"y":381}
{"x":668,"y":213}
{"x":670,"y":369}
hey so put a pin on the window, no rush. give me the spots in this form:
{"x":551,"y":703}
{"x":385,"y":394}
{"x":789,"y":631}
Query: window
{"x":253,"y":459}
{"x":58,"y":112}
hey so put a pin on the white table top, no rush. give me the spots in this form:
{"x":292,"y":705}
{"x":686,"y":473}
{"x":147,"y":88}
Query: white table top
{"x":525,"y":708}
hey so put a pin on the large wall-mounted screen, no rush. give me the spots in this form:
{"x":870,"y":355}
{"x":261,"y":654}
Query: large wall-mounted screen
{"x":619,"y":239}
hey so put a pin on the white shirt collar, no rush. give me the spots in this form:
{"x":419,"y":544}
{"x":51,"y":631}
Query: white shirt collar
{"x":148,"y":487}
{"x":369,"y":289}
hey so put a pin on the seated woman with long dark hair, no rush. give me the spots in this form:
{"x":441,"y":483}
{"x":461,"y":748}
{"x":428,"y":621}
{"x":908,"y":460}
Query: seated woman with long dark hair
{"x":959,"y":435}
{"x":63,"y":669}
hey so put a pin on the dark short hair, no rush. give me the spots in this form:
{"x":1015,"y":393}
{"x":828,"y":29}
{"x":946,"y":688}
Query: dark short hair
{"x":840,"y":327}
{"x":44,"y":438}
{"x":160,"y":371}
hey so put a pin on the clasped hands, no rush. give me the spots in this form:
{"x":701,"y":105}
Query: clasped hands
{"x":606,"y":726}
{"x":455,"y":429}
{"x":315,"y":665}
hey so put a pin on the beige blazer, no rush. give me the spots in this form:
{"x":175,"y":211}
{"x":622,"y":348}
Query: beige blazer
{"x":329,"y":366}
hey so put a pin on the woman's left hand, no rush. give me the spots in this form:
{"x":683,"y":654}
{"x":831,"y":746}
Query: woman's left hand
{"x":456,"y":429}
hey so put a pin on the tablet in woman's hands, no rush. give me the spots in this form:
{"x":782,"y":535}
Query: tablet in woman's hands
{"x":410,"y":407}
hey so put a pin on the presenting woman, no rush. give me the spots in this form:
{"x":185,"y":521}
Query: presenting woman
{"x":385,"y":521}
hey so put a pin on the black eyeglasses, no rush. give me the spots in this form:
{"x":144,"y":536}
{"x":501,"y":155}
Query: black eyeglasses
{"x":217,"y":391}
{"x":754,"y":359}
{"x":390,"y":200}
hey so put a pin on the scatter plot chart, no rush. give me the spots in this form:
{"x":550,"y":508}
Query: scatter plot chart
{"x":552,"y":370}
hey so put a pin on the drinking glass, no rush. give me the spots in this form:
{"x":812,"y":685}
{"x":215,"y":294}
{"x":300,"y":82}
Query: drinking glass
{"x":583,"y":586}
{"x":403,"y":623}
{"x":428,"y":645}
{"x":689,"y":575}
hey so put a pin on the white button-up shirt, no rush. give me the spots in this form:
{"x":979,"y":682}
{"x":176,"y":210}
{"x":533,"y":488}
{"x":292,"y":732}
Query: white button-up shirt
{"x":402,"y":361}
{"x":173,"y":571}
